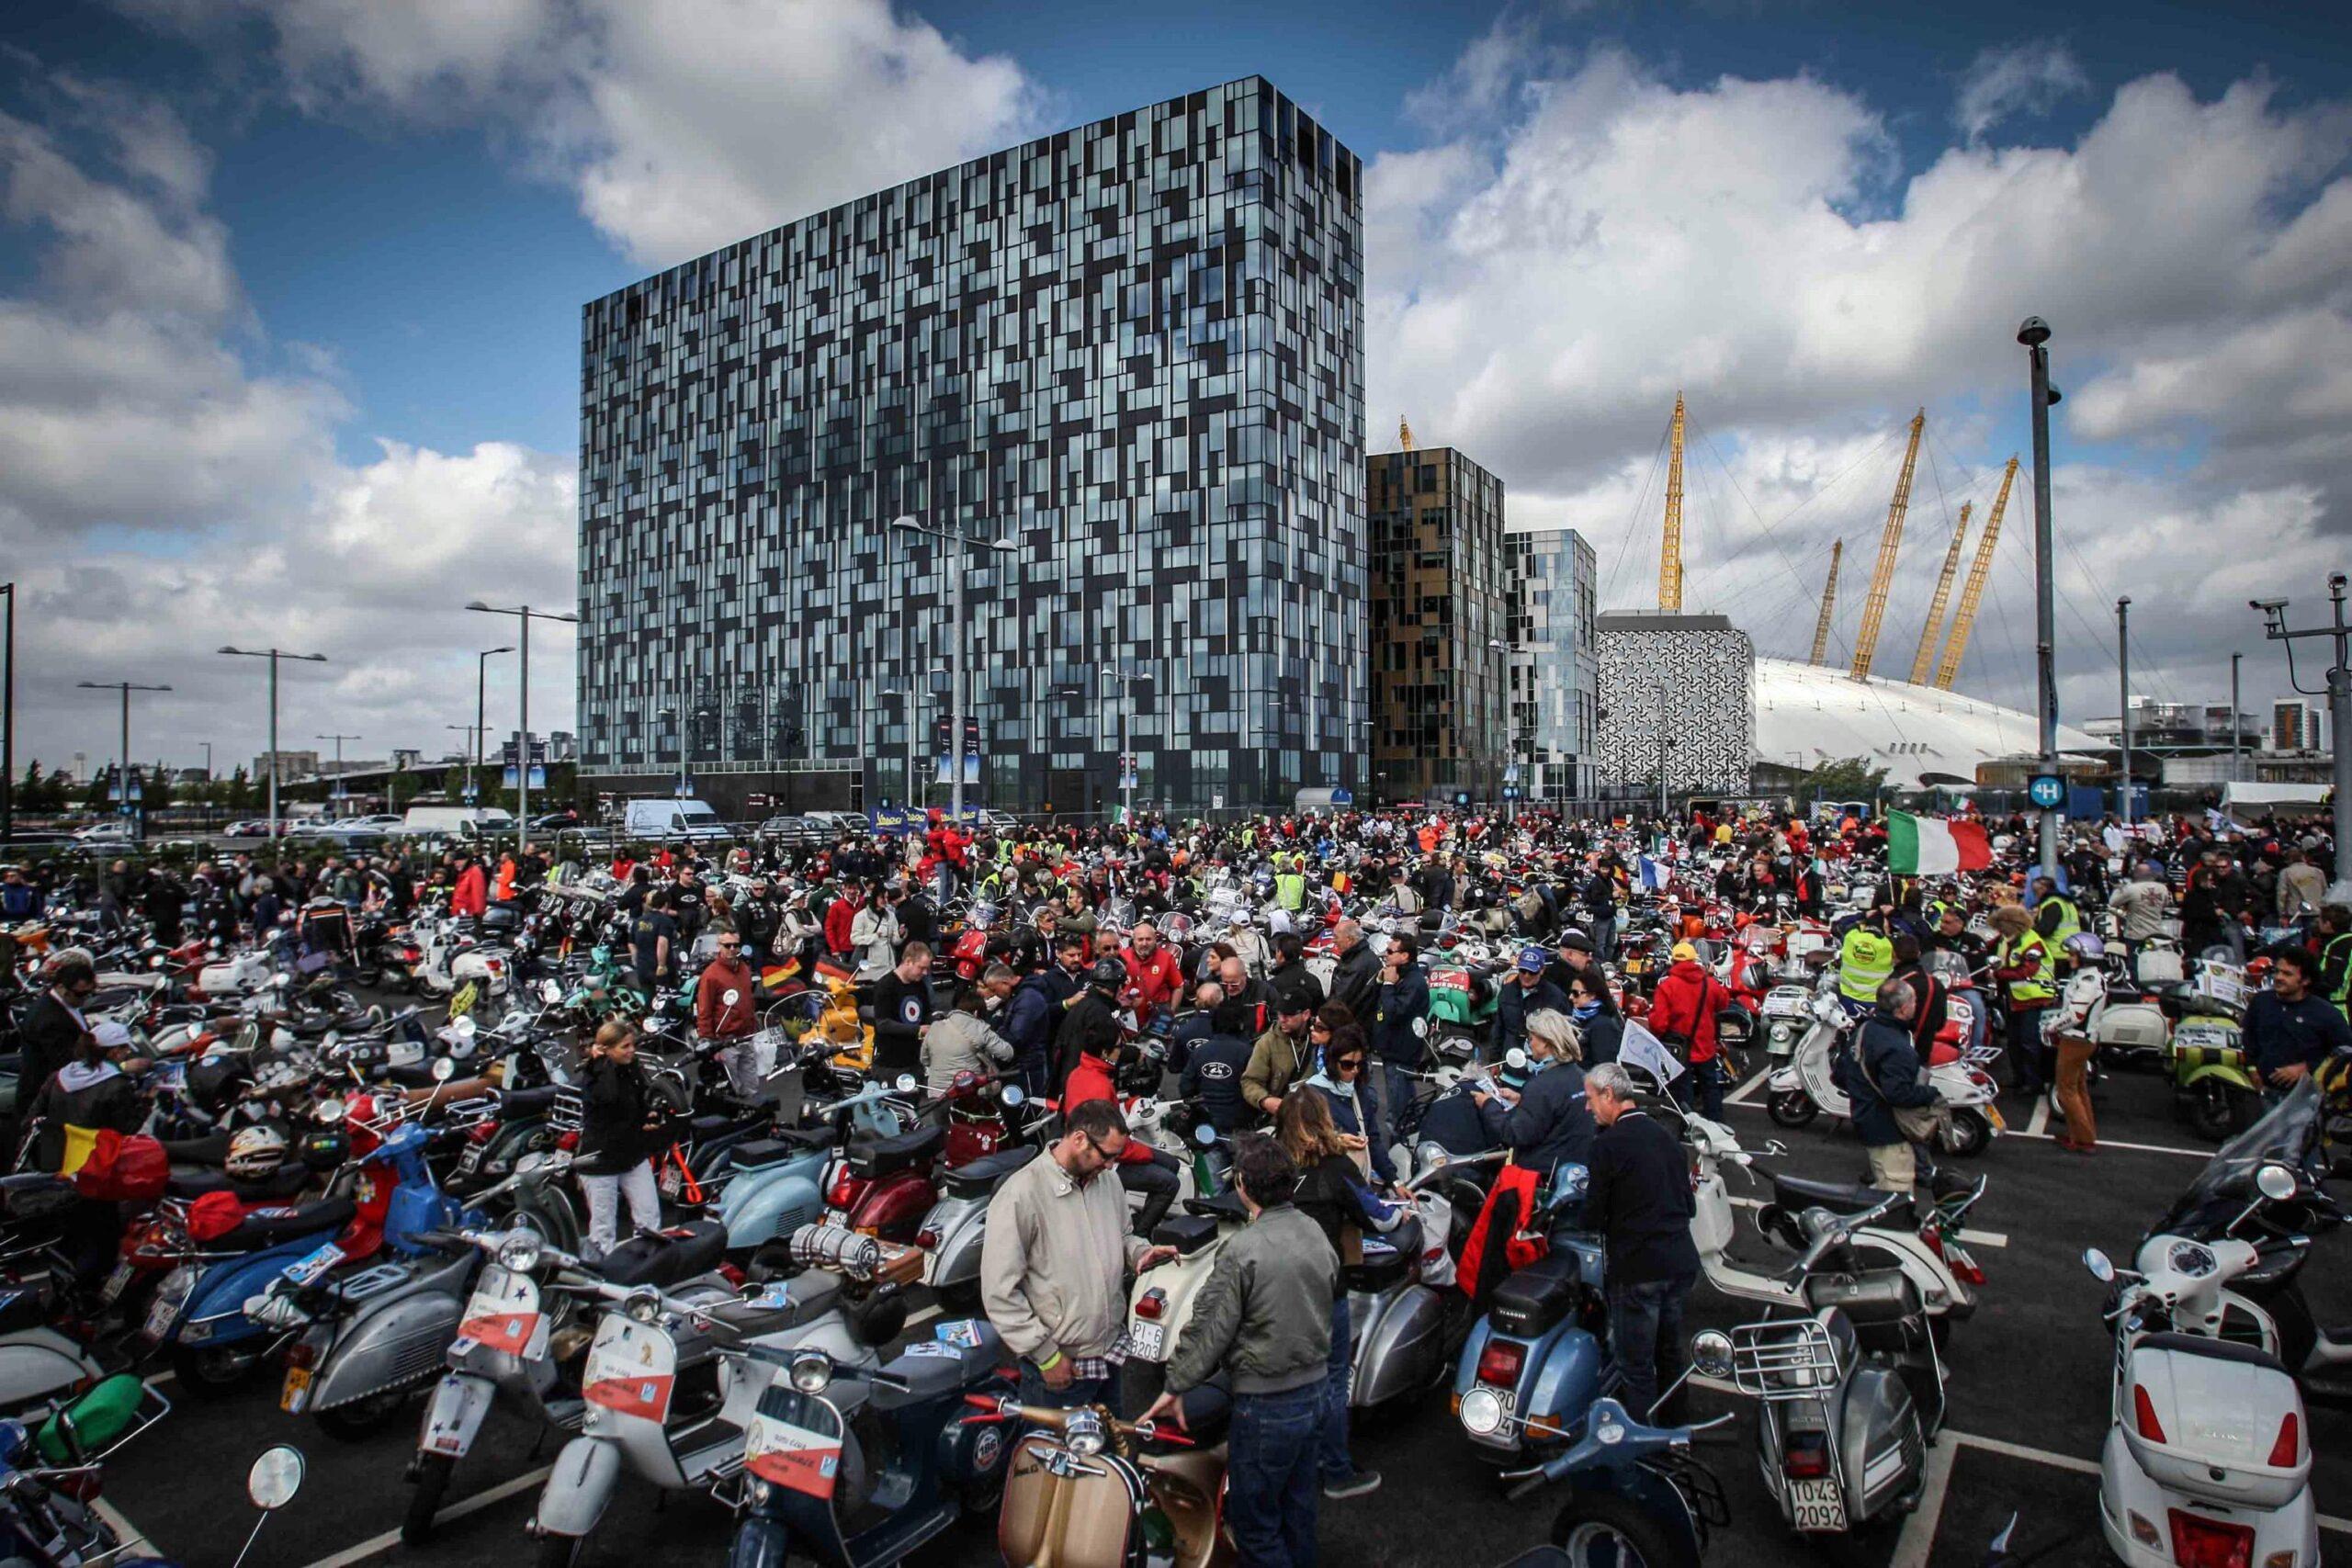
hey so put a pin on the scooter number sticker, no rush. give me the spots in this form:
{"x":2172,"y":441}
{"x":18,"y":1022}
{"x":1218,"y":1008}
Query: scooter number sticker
{"x":116,"y":1283}
{"x":1816,"y":1504}
{"x":631,"y":1370}
{"x":503,"y":1317}
{"x":793,"y":1457}
{"x":303,"y":1270}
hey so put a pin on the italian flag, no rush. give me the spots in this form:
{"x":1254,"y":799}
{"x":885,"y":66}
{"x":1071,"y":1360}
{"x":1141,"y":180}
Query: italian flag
{"x":1933,"y":846}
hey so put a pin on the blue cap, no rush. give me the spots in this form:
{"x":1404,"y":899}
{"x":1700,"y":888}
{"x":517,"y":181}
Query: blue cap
{"x":1533,"y":959}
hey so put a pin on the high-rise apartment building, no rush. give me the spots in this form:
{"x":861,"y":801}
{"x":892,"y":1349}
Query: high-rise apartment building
{"x":1132,"y":352}
{"x":1555,"y":665}
{"x":2294,"y":725}
{"x":1441,"y":618}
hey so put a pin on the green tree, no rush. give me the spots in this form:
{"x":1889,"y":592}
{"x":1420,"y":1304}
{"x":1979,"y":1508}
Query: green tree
{"x":1849,"y":778}
{"x":32,"y":793}
{"x":240,"y":795}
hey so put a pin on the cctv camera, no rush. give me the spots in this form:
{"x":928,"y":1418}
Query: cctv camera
{"x":2268,"y":606}
{"x":2033,"y":331}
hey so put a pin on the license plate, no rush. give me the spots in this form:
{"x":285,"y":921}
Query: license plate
{"x":298,"y":1389}
{"x":162,"y":1312}
{"x":116,"y":1283}
{"x":668,"y":1181}
{"x":1993,"y":1114}
{"x":834,"y":1220}
{"x":1145,"y":1339}
{"x":1816,"y":1504}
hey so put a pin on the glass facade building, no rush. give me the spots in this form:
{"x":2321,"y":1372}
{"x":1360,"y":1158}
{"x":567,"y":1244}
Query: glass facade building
{"x":1555,"y":665}
{"x":1132,"y":351}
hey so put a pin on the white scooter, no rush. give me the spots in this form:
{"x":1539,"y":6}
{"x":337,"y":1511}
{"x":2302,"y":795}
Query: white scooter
{"x":2209,"y":1458}
{"x":451,"y":959}
{"x":1803,"y":1090}
{"x":239,"y":975}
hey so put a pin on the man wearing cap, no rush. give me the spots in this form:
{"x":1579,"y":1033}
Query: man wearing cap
{"x":1527,"y":991}
{"x":1575,"y":950}
{"x":1683,"y":1014}
{"x":1281,"y":1057}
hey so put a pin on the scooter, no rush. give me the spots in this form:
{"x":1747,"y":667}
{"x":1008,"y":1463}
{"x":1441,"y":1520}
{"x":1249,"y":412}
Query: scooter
{"x":2207,"y":1458}
{"x":653,"y":1346}
{"x":1931,"y":1257}
{"x":853,"y":1465}
{"x":1637,"y":1496}
{"x":239,"y":975}
{"x":1531,"y":1367}
{"x":1086,"y":1490}
{"x":1852,"y":1393}
{"x":1803,"y":1090}
{"x":1159,"y":1303}
{"x":2214,"y":1088}
{"x":1405,"y":1318}
{"x":776,"y":1184}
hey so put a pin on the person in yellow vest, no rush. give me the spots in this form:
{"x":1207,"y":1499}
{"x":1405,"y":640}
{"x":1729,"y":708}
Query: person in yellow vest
{"x":1865,"y":959}
{"x":2335,"y":956}
{"x":1290,"y":887}
{"x":2055,"y":917}
{"x":2023,"y":965}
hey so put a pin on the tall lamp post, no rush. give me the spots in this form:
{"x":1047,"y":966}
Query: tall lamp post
{"x":8,"y":719}
{"x":2124,"y":668}
{"x":337,"y":792}
{"x":2339,"y":704}
{"x":956,"y":632}
{"x":2235,"y":731}
{"x":1127,"y":684}
{"x":525,"y":614}
{"x":272,"y":655}
{"x":1501,"y":650}
{"x":122,"y":768}
{"x":2034,"y":333}
{"x":482,"y":715}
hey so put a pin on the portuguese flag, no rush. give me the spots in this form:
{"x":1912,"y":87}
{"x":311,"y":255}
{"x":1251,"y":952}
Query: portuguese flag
{"x":1935,"y":846}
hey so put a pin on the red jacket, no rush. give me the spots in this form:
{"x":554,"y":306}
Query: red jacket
{"x":1157,"y":981}
{"x":838,"y":922}
{"x":1686,"y":1004}
{"x":471,"y":895}
{"x":1091,"y":1079}
{"x":714,"y":1016}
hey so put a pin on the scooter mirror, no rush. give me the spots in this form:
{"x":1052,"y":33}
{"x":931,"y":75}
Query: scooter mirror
{"x":443,"y":1070}
{"x":1711,"y":1353}
{"x":1205,"y":1135}
{"x":550,"y":992}
{"x":465,"y":1026}
{"x":275,"y":1476}
{"x":2102,"y":1268}
{"x":332,"y":1038}
{"x":156,"y":962}
{"x":530,"y":1164}
{"x":2276,"y":1182}
{"x":1515,"y":1059}
{"x":331,"y":1112}
{"x":729,"y":998}
{"x":1012,"y":1094}
{"x":281,"y":978}
{"x":906,"y":1083}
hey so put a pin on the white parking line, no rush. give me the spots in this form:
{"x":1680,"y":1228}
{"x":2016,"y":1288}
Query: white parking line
{"x":1974,"y":1238}
{"x":2085,"y":1467}
{"x":126,"y":1532}
{"x":375,"y":1544}
{"x":1740,"y":1095}
{"x":1917,"y":1542}
{"x":2039,"y":1125}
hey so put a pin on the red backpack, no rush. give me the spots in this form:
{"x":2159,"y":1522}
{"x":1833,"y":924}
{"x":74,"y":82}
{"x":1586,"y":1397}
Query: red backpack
{"x":121,"y":1169}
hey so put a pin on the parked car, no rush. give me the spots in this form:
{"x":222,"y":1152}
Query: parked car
{"x":382,"y":822}
{"x":104,"y":833}
{"x":665,"y":820}
{"x":251,"y":827}
{"x":556,"y":821}
{"x":794,"y":832}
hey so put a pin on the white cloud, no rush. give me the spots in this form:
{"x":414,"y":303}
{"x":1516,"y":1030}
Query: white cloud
{"x":2026,"y":78}
{"x":683,"y":126}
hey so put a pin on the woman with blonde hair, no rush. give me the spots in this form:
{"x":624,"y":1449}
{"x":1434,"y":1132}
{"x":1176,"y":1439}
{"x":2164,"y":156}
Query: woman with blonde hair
{"x":1331,"y":1194}
{"x":1546,"y":1123}
{"x":618,"y":1134}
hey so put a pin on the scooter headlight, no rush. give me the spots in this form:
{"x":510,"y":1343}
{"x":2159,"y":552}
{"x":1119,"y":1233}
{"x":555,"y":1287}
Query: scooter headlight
{"x":642,"y":1306}
{"x":1432,"y":1156}
{"x":1082,"y":1433}
{"x":518,"y":1252}
{"x":758,"y":1493}
{"x":1482,"y":1412}
{"x":812,"y":1372}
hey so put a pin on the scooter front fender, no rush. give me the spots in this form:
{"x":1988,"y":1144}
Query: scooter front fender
{"x":454,"y":1416}
{"x":579,"y":1486}
{"x":760,"y":1542}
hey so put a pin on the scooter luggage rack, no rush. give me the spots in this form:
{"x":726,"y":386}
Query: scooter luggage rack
{"x":566,"y":1112}
{"x":1791,"y":1358}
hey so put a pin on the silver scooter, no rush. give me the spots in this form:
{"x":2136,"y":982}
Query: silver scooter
{"x":1404,"y":1316}
{"x":1851,"y":1395}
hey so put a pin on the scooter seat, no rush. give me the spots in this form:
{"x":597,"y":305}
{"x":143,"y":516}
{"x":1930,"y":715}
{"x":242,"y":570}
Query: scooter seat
{"x":1388,"y":1260}
{"x":528,"y":1102}
{"x":1224,"y":1206}
{"x":871,"y":1157}
{"x":1530,"y":1301}
{"x":2211,"y":1349}
{"x":195,"y":1182}
{"x":1794,"y":1192}
{"x":1874,"y":1296}
{"x":211,"y":1149}
{"x":975,"y":1178}
{"x":666,"y":1257}
{"x":283,"y":1222}
{"x":811,"y":1294}
{"x":937,"y":1369}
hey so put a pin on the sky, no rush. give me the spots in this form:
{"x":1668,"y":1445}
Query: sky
{"x":290,"y":297}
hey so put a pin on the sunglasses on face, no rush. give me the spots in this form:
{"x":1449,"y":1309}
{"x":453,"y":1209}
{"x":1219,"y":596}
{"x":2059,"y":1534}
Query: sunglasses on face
{"x":1350,"y":1064}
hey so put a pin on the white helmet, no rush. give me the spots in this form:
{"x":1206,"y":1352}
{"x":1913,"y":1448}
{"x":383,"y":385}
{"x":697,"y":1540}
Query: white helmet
{"x":256,"y":1152}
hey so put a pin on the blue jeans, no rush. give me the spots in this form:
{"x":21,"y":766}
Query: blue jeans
{"x":1336,"y":1465}
{"x":1269,"y":1476}
{"x":1705,"y":1082}
{"x":1645,"y":1338}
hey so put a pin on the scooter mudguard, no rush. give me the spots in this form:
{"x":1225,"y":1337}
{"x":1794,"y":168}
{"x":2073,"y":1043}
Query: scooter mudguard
{"x":1652,"y":1492}
{"x":1783,"y":1078}
{"x":758,"y":1543}
{"x":453,"y":1417}
{"x":397,"y":1344}
{"x":963,"y":1228}
{"x":754,"y":1213}
{"x":894,"y":1206}
{"x":1878,"y":1436}
{"x":579,"y":1486}
{"x":215,"y":1312}
{"x":41,"y":1363}
{"x":1400,"y":1344}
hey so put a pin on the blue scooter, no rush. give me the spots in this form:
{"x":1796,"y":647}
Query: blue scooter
{"x":1534,"y":1363}
{"x":851,"y":1467}
{"x":1638,"y":1499}
{"x":774,"y":1189}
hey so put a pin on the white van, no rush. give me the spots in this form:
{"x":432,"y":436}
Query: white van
{"x":459,"y":821}
{"x":672,"y":820}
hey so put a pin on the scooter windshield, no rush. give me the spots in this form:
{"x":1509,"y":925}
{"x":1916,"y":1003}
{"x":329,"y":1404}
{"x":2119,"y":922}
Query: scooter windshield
{"x":2286,"y":1135}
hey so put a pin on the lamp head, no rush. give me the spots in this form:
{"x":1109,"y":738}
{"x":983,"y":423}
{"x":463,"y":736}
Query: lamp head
{"x":2033,"y":331}
{"x":905,"y":520}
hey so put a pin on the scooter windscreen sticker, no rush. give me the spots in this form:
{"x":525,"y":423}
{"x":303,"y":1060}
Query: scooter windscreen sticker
{"x":503,"y":1314}
{"x":776,"y":1450}
{"x":631,"y":1369}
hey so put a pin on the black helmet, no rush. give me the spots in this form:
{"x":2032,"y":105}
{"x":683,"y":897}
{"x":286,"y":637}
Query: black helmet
{"x":1107,"y":973}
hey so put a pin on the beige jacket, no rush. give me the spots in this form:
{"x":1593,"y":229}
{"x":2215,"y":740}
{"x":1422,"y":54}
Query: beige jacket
{"x":1054,"y":1267}
{"x":961,"y":1043}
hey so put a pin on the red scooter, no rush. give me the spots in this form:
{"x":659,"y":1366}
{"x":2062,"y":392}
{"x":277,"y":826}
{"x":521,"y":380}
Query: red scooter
{"x":884,"y":1187}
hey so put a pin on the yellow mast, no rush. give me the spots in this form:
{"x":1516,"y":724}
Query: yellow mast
{"x":1405,"y":433}
{"x":1669,"y":559}
{"x":1965,"y":618}
{"x":1890,"y":542}
{"x":1926,"y":654}
{"x":1829,"y":598}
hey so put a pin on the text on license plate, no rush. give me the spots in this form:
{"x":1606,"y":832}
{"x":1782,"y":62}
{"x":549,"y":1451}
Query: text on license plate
{"x":1993,"y":1114}
{"x":1817,"y":1505}
{"x":1145,"y":1339}
{"x":161,"y":1312}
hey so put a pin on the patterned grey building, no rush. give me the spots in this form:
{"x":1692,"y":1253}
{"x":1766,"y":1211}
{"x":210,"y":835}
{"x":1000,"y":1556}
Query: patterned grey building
{"x":1133,"y":350}
{"x":1677,"y":686}
{"x":1555,"y":665}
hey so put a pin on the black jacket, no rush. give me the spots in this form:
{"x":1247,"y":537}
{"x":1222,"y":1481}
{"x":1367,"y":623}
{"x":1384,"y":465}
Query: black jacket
{"x":1603,"y":1033}
{"x":1640,"y":1201}
{"x":1550,"y":1123}
{"x":1400,"y":1019}
{"x":1514,"y":1002}
{"x":901,"y":1010}
{"x":613,"y":1135}
{"x":49,"y":1034}
{"x":111,"y":1100}
{"x":1355,"y":981}
{"x":1887,"y":1075}
{"x":1213,"y":1073}
{"x":1291,"y":982}
{"x":1088,"y":1025}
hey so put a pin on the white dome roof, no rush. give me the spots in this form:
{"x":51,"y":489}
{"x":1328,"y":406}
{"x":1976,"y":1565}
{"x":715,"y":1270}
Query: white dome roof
{"x":1811,"y":714}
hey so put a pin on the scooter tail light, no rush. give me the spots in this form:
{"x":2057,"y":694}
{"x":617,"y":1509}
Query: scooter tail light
{"x":1499,"y":1364}
{"x":301,"y":1355}
{"x":844,"y":1191}
{"x":2144,"y":1417}
{"x":567,"y":1142}
{"x":2200,"y":1543}
{"x":1806,"y":1458}
{"x":482,"y":1131}
{"x":928,"y":1239}
{"x":1154,"y":1302}
{"x":2290,"y":1443}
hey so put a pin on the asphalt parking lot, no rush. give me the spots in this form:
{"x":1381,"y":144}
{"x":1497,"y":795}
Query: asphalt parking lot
{"x":2028,"y":1412}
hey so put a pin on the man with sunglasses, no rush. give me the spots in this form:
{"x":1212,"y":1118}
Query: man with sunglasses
{"x":1055,"y":1262}
{"x":726,"y":1012}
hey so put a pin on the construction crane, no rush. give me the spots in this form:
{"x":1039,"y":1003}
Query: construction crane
{"x":1669,"y":559}
{"x":1973,"y":595}
{"x":1828,"y":599}
{"x":1890,"y":542}
{"x":1926,"y":654}
{"x":1405,"y":433}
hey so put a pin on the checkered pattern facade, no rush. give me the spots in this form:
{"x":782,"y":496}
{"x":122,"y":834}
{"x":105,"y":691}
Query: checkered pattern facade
{"x":1132,"y":350}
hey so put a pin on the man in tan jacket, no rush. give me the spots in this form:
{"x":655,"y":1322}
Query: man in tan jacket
{"x":1054,"y":1267}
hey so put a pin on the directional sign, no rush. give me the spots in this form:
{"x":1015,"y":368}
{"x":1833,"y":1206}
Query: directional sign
{"x":2046,"y":790}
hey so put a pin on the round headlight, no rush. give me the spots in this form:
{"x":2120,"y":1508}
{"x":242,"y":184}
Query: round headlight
{"x":1432,"y":1156}
{"x":642,"y":1306}
{"x":758,"y":1491}
{"x":1482,"y":1412}
{"x":518,"y":1252}
{"x":812,"y":1372}
{"x":1082,"y":1433}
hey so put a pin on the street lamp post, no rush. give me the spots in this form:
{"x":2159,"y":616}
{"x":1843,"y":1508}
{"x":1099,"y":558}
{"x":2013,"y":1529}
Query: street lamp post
{"x":2235,"y":727}
{"x":272,"y":655}
{"x":2034,"y":333}
{"x":525,"y":616}
{"x":481,"y":716}
{"x":2124,"y":668}
{"x":2339,"y":704}
{"x":678,"y":791}
{"x":8,"y":719}
{"x":955,"y":631}
{"x":122,"y":767}
{"x":337,"y":792}
{"x":1127,"y":684}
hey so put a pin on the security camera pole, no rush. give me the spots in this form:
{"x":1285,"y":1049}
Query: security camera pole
{"x":2034,"y":332}
{"x":2339,"y":706}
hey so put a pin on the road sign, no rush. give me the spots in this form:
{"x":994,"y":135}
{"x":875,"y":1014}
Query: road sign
{"x":2047,"y":791}
{"x":1510,"y":773}
{"x":1462,"y":798}
{"x":1510,"y":792}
